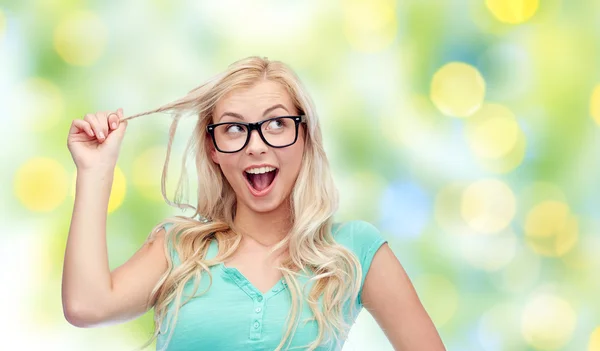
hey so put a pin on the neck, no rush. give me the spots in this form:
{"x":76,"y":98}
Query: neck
{"x":266,"y":228}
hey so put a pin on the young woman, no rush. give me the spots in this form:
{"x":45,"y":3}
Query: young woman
{"x":263,"y":266}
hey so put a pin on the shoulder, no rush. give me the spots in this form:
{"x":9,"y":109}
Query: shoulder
{"x":360,"y":237}
{"x":356,"y":234}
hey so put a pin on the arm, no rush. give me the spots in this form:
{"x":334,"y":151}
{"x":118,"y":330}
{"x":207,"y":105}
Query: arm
{"x":91,"y":294}
{"x":392,"y":300}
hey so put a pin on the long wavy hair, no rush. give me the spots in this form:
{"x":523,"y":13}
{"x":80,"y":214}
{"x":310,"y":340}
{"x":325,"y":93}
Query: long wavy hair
{"x":334,"y":269}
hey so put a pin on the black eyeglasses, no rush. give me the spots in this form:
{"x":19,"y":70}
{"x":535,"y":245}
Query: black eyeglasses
{"x":277,"y":132}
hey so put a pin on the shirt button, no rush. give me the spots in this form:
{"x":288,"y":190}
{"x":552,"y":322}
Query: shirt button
{"x":256,"y":325}
{"x":258,"y":309}
{"x":259,"y":298}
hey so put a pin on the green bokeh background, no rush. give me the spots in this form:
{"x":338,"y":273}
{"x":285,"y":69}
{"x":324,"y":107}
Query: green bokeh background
{"x":398,"y":160}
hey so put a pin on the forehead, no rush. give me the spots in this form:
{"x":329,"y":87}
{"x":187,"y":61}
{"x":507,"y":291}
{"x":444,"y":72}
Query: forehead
{"x":253,"y":101}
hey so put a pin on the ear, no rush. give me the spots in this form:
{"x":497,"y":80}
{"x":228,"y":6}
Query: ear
{"x":208,"y":144}
{"x":213,"y":155}
{"x":212,"y":150}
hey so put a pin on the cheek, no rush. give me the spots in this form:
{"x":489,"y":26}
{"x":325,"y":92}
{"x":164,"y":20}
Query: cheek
{"x":228,"y":165}
{"x":293,"y":160}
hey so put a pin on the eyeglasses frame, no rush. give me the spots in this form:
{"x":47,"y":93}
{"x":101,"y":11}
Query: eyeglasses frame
{"x":255,"y":126}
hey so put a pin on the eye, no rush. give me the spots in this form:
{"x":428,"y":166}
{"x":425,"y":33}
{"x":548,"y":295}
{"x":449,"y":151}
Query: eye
{"x":234,"y":128}
{"x":278,"y":123}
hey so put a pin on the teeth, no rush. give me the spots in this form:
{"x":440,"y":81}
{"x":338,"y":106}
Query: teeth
{"x":260,"y":170}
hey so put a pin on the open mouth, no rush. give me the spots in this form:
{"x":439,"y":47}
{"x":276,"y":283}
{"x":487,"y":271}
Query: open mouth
{"x":260,"y":179}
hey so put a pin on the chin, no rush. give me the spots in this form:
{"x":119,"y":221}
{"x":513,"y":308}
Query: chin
{"x":265,"y":204}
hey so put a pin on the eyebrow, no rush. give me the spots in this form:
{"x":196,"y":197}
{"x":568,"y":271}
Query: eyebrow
{"x":237,"y":115}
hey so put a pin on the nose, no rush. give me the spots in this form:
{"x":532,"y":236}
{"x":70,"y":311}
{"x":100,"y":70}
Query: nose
{"x":256,"y":145}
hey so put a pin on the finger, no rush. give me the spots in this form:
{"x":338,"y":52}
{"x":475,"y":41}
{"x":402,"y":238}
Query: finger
{"x":92,"y":119}
{"x":103,"y":120}
{"x":113,"y":120}
{"x":79,"y":125}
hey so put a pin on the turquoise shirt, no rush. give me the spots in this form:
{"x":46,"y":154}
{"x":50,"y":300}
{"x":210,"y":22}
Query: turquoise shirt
{"x":235,"y":315}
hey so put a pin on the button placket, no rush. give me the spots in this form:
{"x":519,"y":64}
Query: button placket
{"x":257,"y":321}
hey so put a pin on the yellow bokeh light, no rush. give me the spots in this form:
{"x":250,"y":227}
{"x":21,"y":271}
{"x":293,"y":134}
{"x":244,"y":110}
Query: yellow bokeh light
{"x":509,"y":161}
{"x":548,"y":322}
{"x":488,"y":206}
{"x":492,"y":131}
{"x":538,"y":192}
{"x":80,"y":38}
{"x":595,"y":340}
{"x":447,"y":214}
{"x":42,"y":104}
{"x":147,"y":171}
{"x":550,"y":228}
{"x":439,"y":296}
{"x":512,"y":11}
{"x":457,"y":89}
{"x":117,"y":192}
{"x":595,"y":104}
{"x":41,"y":184}
{"x":370,"y":25}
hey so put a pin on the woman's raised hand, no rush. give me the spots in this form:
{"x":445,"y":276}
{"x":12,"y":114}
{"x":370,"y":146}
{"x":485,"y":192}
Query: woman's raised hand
{"x":95,"y":140}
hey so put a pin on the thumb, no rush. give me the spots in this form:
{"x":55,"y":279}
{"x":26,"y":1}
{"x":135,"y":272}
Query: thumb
{"x":116,"y":136}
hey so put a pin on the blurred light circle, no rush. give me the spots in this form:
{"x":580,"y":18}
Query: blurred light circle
{"x":550,"y":228}
{"x":489,"y":253}
{"x":38,"y":104}
{"x":548,"y":322}
{"x":595,"y":340}
{"x":147,"y":171}
{"x":488,"y":206}
{"x":595,"y":104}
{"x":508,"y":162}
{"x":457,"y":89}
{"x":439,"y":296}
{"x":447,"y":214}
{"x":539,"y":191}
{"x":118,"y":191}
{"x":512,"y":11}
{"x":80,"y":38}
{"x":493,"y":131}
{"x":370,"y":25}
{"x":41,"y":184}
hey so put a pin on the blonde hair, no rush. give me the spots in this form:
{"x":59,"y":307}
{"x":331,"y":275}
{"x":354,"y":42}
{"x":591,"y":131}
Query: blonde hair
{"x":313,"y":202}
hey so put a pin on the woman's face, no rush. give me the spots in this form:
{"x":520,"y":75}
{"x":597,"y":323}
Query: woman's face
{"x":261,"y":176}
